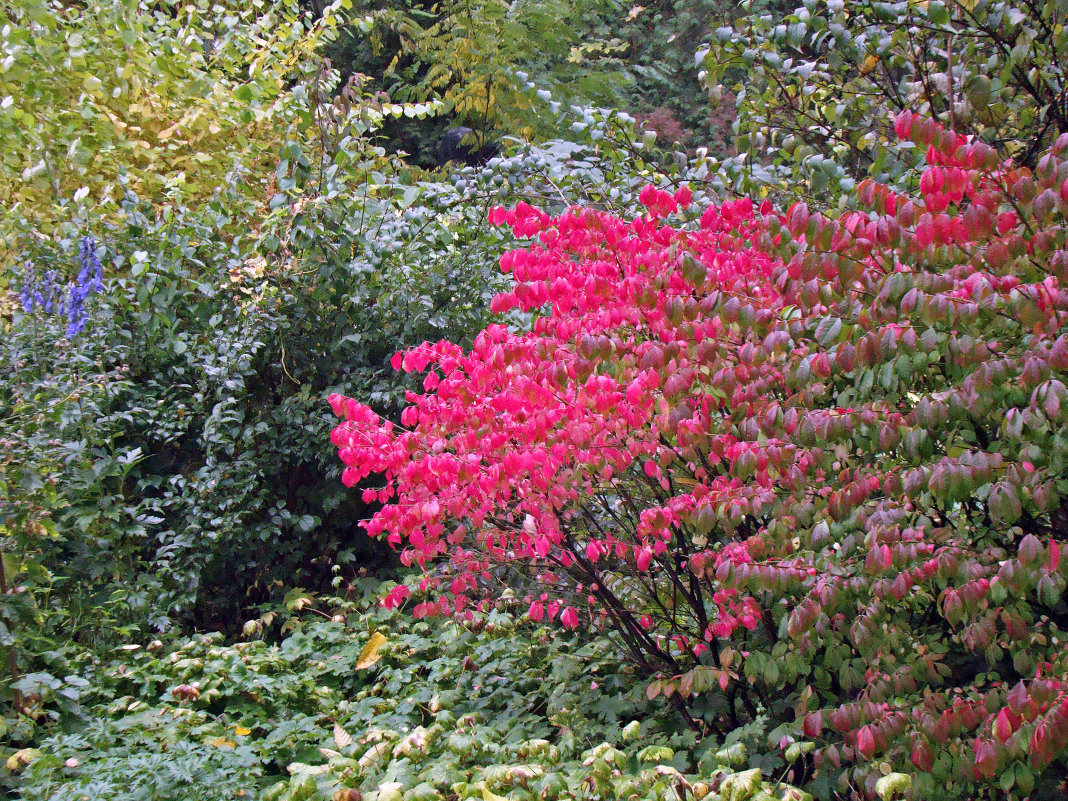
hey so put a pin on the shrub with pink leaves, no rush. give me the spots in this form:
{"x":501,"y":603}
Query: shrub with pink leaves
{"x":803,"y":468}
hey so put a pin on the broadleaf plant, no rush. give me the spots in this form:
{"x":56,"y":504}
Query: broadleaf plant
{"x":798,"y":467}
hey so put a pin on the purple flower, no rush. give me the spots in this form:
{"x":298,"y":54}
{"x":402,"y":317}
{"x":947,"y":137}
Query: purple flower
{"x":43,"y":292}
{"x":90,"y":280}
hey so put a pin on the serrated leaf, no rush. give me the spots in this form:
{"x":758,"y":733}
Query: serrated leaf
{"x":342,"y":739}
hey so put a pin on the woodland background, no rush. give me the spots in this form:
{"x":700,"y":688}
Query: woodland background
{"x":215,"y":215}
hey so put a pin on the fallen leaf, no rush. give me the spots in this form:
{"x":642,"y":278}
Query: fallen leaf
{"x":342,"y":739}
{"x":369,"y":654}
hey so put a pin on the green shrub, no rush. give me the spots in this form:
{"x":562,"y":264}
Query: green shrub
{"x":818,"y":85}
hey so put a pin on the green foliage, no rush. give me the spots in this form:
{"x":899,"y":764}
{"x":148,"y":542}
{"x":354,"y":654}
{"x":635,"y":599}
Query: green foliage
{"x":173,"y":444}
{"x":177,"y":437}
{"x":662,"y":37}
{"x":492,"y":709}
{"x":479,"y":58}
{"x":474,"y":50}
{"x":818,"y":85}
{"x":199,"y":89}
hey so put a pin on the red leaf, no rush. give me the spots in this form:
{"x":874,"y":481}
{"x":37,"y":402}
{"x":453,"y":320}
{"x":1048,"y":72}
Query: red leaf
{"x":866,"y":742}
{"x":813,"y":724}
{"x":1003,"y":726}
{"x":986,"y":760}
{"x":921,"y":756}
{"x":1030,"y":549}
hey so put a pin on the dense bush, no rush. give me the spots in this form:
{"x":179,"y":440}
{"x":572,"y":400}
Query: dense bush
{"x":818,"y":84}
{"x":201,"y":89}
{"x":796,"y":466}
{"x":195,"y":380}
{"x":177,"y":443}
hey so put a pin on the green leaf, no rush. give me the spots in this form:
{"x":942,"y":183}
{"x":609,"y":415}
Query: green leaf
{"x":937,"y":12}
{"x":893,"y":785}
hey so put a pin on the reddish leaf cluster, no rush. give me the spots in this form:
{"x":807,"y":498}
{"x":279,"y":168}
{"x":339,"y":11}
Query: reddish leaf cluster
{"x":834,"y":448}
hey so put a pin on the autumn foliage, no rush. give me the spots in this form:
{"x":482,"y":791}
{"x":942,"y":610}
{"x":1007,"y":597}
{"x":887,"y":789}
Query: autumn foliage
{"x":801,"y":467}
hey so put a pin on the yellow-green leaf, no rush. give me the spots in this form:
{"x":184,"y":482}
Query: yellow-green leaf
{"x":892,"y":785}
{"x":20,"y":759}
{"x":369,"y":654}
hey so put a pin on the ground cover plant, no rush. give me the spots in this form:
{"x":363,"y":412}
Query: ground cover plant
{"x":794,"y":465}
{"x":355,"y":702}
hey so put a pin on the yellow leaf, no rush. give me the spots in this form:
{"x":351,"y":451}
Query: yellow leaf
{"x":869,"y":64}
{"x":20,"y":759}
{"x":369,"y":654}
{"x":490,"y":796}
{"x":222,"y":742}
{"x":342,"y":738}
{"x":119,"y":125}
{"x":241,"y":731}
{"x":167,"y":133}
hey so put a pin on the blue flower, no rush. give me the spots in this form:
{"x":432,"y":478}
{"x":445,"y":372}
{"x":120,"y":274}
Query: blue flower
{"x":29,"y":287}
{"x":43,"y":292}
{"x":90,"y":279}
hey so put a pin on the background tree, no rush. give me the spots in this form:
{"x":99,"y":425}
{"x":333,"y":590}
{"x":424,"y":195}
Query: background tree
{"x":818,"y":86}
